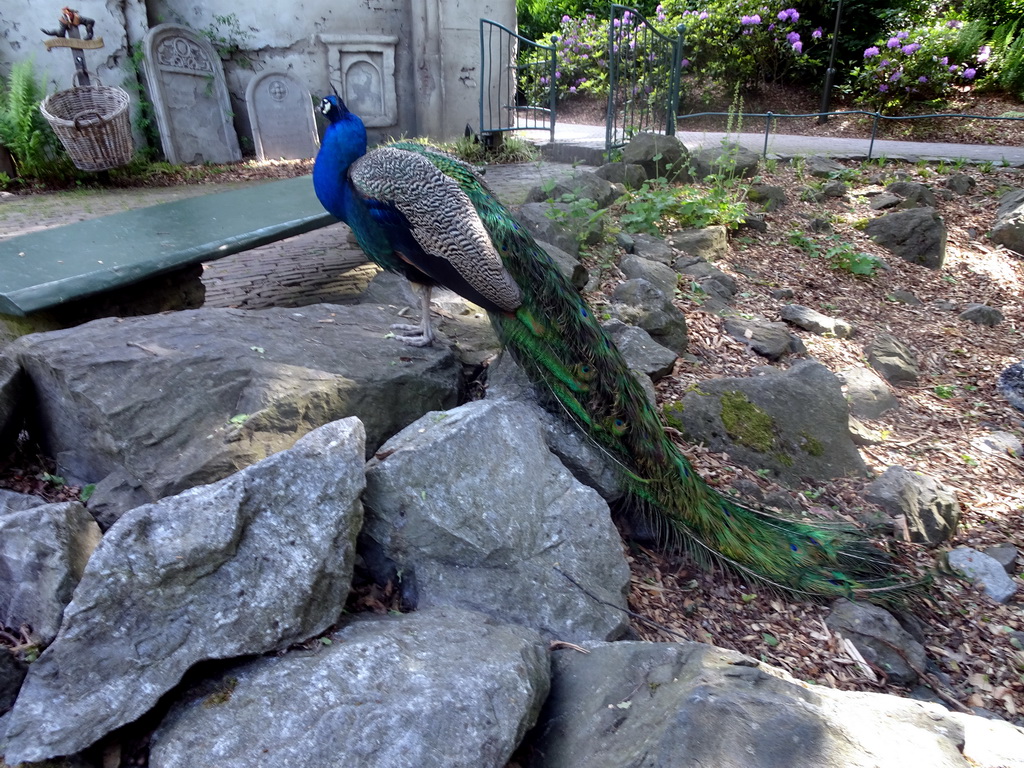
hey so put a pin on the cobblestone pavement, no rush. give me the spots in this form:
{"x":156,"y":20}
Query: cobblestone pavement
{"x":320,"y":266}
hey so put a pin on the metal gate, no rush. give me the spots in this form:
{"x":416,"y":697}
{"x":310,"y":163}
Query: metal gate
{"x":643,"y":77}
{"x":517,"y":82}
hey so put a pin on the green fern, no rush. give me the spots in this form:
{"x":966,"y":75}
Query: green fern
{"x":1009,"y":54}
{"x":37,"y":152}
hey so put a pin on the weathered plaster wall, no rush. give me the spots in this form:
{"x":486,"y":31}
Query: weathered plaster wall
{"x":436,"y":50}
{"x":117,"y":21}
{"x":436,"y":56}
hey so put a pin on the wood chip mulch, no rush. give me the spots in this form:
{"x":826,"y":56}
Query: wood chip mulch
{"x":975,"y":646}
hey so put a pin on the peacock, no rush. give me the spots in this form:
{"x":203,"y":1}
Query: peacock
{"x":425,"y":214}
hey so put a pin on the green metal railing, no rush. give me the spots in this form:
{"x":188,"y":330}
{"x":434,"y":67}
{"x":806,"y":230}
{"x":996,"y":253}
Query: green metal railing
{"x":517,"y":82}
{"x":643,"y":76}
{"x":876,"y":118}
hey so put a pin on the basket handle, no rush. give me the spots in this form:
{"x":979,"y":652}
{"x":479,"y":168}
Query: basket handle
{"x":94,"y":118}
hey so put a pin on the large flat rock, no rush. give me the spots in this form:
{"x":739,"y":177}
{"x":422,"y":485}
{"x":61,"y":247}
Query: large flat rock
{"x":166,"y":402}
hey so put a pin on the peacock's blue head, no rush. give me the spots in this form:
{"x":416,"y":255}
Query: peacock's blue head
{"x":333,"y":108}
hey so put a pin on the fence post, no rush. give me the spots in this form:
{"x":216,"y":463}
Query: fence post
{"x":767,"y":129}
{"x":675,"y":81}
{"x":874,"y":132}
{"x":553,"y":93}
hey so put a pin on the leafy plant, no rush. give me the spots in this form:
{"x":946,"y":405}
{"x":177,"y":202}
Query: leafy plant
{"x":510,"y":149}
{"x":229,"y":39}
{"x":37,"y":151}
{"x":580,"y":215}
{"x":657,"y":204}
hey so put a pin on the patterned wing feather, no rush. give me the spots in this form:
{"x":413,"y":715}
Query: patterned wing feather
{"x":441,"y":218}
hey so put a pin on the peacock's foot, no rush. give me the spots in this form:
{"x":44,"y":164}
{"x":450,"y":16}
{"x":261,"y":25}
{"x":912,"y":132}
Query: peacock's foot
{"x":413,"y":335}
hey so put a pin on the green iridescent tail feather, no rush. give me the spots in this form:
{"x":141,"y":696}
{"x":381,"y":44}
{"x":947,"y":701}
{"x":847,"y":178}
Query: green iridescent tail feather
{"x":554,"y":336}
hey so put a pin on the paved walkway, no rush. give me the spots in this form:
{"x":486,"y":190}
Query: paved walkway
{"x":325,"y":266}
{"x":589,"y":139}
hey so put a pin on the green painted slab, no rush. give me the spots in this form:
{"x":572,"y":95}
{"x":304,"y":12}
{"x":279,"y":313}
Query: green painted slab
{"x":44,"y":269}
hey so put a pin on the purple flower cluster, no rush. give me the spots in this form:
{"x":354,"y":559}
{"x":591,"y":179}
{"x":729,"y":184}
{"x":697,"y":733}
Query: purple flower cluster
{"x":913,"y":66}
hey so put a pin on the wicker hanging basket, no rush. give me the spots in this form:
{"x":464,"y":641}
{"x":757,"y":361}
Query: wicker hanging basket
{"x":93,"y":124}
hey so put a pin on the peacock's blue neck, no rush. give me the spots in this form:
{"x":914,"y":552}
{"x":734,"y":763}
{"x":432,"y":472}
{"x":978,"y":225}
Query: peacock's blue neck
{"x":344,"y":142}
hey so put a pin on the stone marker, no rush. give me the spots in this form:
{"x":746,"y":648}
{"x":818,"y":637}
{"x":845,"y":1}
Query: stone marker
{"x":281,"y":116}
{"x":185,"y":80}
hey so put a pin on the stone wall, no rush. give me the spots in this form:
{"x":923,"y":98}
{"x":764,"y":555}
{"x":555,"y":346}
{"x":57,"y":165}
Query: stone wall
{"x":413,"y":64}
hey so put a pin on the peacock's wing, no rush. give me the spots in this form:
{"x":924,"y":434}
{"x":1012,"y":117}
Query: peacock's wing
{"x":447,"y":241}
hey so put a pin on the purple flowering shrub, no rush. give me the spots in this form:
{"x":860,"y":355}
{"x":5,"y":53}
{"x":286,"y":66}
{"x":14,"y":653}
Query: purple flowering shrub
{"x":747,"y":42}
{"x":918,"y":64}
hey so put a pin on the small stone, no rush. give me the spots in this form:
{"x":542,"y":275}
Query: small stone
{"x":1004,"y":554}
{"x":982,"y":314}
{"x":904,"y":297}
{"x":999,"y":444}
{"x":985,"y":570}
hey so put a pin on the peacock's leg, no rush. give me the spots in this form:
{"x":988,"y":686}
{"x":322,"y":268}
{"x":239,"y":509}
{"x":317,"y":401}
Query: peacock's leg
{"x":421,"y":335}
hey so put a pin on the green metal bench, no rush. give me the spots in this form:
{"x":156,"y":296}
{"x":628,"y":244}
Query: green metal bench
{"x":144,"y":260}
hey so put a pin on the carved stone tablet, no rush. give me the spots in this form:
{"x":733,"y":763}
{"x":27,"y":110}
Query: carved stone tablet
{"x":186,"y":84}
{"x":281,"y":115}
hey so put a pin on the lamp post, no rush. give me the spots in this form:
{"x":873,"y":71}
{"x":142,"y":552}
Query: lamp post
{"x":830,"y":73}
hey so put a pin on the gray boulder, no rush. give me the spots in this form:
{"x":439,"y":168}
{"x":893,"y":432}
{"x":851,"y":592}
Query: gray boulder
{"x":688,"y":705}
{"x":439,"y":687}
{"x":580,"y":185}
{"x":184,"y":398}
{"x":823,"y":167}
{"x":771,"y":340}
{"x":811,"y":320}
{"x":498,"y":530}
{"x":981,"y":314}
{"x":568,"y":265}
{"x":893,"y":359}
{"x":985,"y":570}
{"x":637,"y":302}
{"x":12,"y":399}
{"x":1008,"y":229}
{"x":652,"y":248}
{"x":868,"y":394}
{"x":630,"y":175}
{"x":730,"y":160}
{"x":1011,"y":385}
{"x":569,"y":225}
{"x":661,"y":276}
{"x":961,"y":183}
{"x":709,"y":243}
{"x":769,"y":196}
{"x":713,"y":281}
{"x":641,"y":351}
{"x":253,"y":563}
{"x":43,"y":551}
{"x":879,"y":638}
{"x":917,"y":235}
{"x":549,"y":228}
{"x":914,"y":194}
{"x":754,"y":421}
{"x":930,"y":510}
{"x":660,"y":156}
{"x":580,"y":455}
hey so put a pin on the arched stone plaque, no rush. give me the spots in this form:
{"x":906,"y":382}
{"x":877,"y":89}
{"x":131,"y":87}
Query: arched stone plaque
{"x":186,"y":84}
{"x":281,"y":116}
